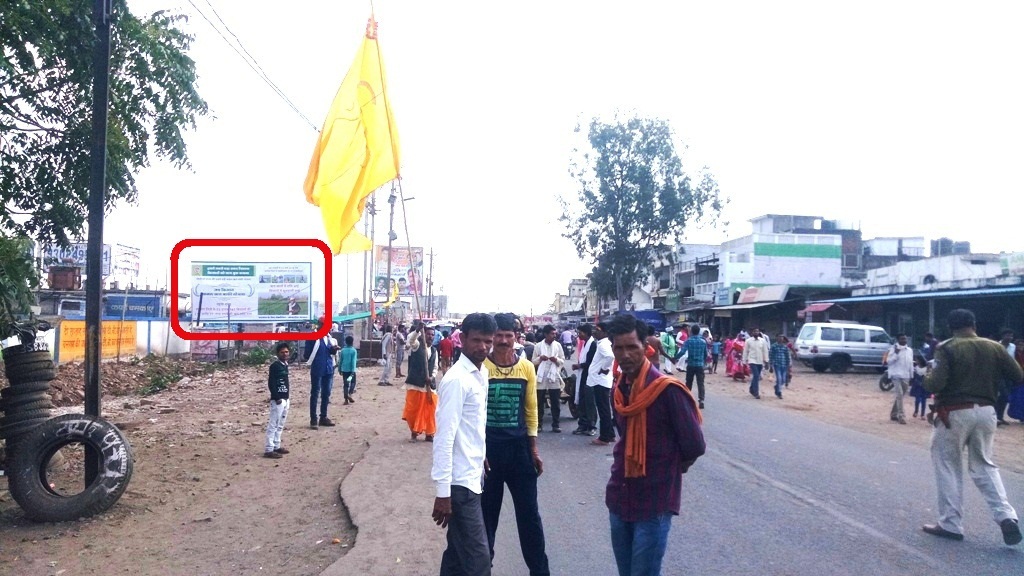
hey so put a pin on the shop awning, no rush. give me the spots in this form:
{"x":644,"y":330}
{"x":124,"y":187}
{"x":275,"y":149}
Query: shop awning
{"x":818,"y":307}
{"x":726,"y":311}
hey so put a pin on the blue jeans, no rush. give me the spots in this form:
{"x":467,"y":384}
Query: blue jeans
{"x":781,"y":374}
{"x":640,"y":546}
{"x":755,"y":379}
{"x":320,"y":389}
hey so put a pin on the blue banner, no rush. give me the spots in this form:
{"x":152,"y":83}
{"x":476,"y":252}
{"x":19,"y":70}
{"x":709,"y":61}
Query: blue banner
{"x":138,"y":306}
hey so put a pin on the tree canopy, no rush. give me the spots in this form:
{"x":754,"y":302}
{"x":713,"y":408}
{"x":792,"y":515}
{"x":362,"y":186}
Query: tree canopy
{"x":46,"y":78}
{"x":633,"y":198}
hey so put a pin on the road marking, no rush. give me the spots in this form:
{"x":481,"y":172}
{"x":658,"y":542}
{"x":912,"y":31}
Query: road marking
{"x":808,"y":499}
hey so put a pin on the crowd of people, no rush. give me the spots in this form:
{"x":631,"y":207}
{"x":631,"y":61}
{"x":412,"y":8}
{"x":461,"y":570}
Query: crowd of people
{"x":479,"y":393}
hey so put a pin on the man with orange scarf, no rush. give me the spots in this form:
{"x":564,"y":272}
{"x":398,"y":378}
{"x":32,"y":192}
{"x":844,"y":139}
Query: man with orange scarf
{"x":661,"y":439}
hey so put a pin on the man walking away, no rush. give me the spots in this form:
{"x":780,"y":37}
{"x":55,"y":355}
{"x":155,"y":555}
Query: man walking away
{"x":459,"y":450}
{"x":549,"y":357}
{"x":755,"y":354}
{"x":512,"y":456}
{"x":696,"y":355}
{"x":661,"y":439}
{"x":900,"y":361}
{"x":965,"y":382}
{"x":600,"y":382}
{"x":781,"y":359}
{"x":1006,"y":339}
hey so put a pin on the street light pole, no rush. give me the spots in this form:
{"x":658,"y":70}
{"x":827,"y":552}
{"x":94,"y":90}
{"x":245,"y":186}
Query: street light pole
{"x":391,"y":238}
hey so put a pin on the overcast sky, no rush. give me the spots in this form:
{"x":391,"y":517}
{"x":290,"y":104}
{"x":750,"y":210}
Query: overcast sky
{"x":904,"y":118}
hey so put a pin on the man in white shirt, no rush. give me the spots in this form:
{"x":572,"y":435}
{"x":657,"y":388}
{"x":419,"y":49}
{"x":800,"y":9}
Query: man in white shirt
{"x":459,"y":450}
{"x":900,"y":362}
{"x":755,"y":354}
{"x":387,"y":351}
{"x":599,"y":379}
{"x":548,"y":357}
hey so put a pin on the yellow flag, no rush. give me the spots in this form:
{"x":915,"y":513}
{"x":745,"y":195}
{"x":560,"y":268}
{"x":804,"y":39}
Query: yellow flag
{"x":357,"y":150}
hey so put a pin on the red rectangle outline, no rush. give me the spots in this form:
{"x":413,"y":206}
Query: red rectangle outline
{"x":246,"y":242}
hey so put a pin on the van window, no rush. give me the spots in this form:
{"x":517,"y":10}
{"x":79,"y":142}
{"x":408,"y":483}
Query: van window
{"x":854,"y":334}
{"x":807,"y":332}
{"x":831,"y":334}
{"x":879,"y":337}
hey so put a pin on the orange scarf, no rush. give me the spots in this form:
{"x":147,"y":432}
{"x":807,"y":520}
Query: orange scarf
{"x":641,"y":396}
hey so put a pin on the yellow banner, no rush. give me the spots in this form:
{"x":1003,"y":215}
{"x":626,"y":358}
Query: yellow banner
{"x":72,"y":339}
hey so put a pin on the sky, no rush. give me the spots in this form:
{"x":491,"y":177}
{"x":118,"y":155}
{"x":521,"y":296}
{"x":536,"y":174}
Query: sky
{"x":900,"y":118}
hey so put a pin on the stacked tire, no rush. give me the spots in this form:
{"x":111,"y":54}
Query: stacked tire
{"x":26,"y":403}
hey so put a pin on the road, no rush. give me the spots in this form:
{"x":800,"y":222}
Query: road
{"x":776,"y":493}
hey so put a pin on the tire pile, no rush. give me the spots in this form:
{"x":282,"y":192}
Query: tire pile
{"x":34,"y":441}
{"x":26,"y":403}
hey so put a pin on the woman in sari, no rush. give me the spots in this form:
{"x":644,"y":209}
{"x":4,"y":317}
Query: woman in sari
{"x":727,"y":354}
{"x":740,"y":371}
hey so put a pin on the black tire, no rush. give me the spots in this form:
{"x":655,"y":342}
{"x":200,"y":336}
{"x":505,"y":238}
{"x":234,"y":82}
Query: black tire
{"x":18,"y":359}
{"x":12,"y":419}
{"x":839,"y":363}
{"x":885,"y":383}
{"x":26,"y":402}
{"x":15,"y":430}
{"x":819,"y":365}
{"x":31,"y":371}
{"x":27,"y":479}
{"x":19,"y":390}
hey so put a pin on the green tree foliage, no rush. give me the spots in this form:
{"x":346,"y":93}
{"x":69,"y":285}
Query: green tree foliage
{"x":633,"y":198}
{"x":17,"y":280}
{"x":46,"y":77}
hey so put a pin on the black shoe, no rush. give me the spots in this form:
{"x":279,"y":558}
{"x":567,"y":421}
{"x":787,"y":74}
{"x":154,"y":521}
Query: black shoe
{"x":326,"y":422}
{"x":282,"y":450}
{"x":578,"y":432}
{"x":936,"y":530}
{"x":1002,"y":423}
{"x":590,"y":432}
{"x":312,"y":425}
{"x":700,"y":405}
{"x":556,"y":430}
{"x":779,"y":395}
{"x":272,"y":455}
{"x":1011,"y":532}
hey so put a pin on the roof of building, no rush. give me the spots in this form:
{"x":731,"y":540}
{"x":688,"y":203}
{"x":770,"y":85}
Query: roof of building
{"x":970,"y":292}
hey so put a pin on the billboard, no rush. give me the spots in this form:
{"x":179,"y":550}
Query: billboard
{"x":406,"y":271}
{"x":73,"y":255}
{"x":251,"y":291}
{"x":116,"y":338}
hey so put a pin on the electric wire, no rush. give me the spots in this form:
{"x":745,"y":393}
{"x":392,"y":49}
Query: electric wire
{"x":253,"y":65}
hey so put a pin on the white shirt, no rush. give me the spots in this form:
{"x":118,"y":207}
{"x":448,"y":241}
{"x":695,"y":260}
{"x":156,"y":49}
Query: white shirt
{"x":900,"y":361}
{"x":755,"y":350}
{"x":603,"y":359}
{"x":548,"y":371}
{"x":461,"y":415}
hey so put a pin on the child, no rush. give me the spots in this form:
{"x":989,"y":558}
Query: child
{"x":278,"y":384}
{"x":347,"y":367}
{"x":716,"y":351}
{"x":917,"y":386}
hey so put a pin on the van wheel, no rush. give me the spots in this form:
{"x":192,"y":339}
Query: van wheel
{"x":839,"y":363}
{"x":820,"y":365}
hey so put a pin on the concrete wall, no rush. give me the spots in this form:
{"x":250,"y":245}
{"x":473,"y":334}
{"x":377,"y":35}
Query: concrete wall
{"x":949,"y":272}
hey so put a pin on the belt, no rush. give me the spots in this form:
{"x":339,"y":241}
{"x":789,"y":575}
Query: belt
{"x":941,"y":413}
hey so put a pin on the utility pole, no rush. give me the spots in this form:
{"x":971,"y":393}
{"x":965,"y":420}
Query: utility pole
{"x":94,"y":252}
{"x":391,"y":238}
{"x":430,"y":286}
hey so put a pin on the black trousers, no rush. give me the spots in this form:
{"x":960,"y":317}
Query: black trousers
{"x":467,"y":553}
{"x":555,"y":398}
{"x":587,"y":409}
{"x":698,"y":373}
{"x":603,"y":400}
{"x":512,"y":465}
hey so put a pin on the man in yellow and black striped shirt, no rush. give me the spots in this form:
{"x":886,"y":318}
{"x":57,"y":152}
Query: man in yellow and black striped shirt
{"x":512,"y":456}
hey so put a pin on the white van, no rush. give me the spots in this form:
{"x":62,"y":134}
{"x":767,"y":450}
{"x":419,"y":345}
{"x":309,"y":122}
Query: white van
{"x":838,"y":346}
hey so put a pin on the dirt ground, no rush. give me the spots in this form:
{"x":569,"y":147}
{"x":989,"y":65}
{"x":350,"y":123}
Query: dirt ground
{"x":203,"y":501}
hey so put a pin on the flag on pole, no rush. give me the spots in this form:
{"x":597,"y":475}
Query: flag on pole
{"x":357,"y":150}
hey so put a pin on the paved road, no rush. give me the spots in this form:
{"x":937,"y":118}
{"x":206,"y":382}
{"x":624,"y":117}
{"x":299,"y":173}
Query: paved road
{"x":777,"y":493}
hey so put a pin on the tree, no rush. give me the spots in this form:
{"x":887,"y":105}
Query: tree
{"x":45,"y":112}
{"x":633,"y":197}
